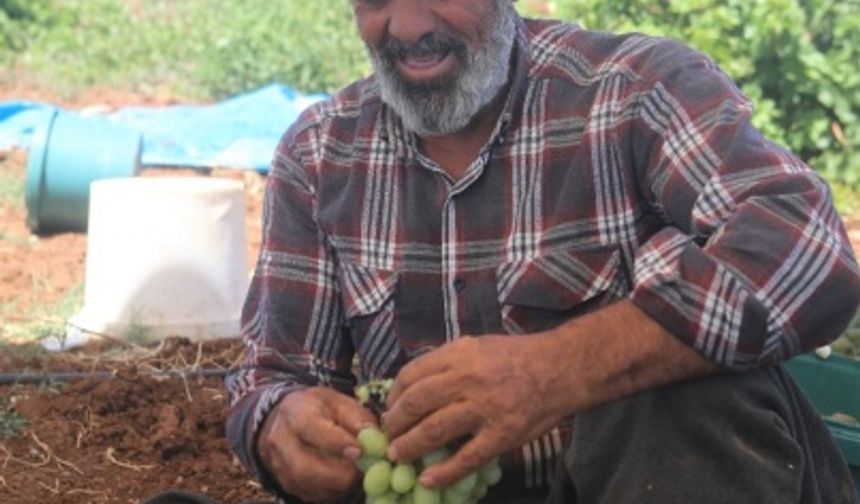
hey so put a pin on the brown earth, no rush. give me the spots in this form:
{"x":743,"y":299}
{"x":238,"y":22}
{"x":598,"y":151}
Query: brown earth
{"x":122,"y":439}
{"x":106,"y":441}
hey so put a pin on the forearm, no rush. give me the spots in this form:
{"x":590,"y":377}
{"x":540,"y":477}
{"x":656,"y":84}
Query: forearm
{"x":247,"y":414}
{"x":504,"y":391}
{"x":605,"y":355}
{"x":613,"y":353}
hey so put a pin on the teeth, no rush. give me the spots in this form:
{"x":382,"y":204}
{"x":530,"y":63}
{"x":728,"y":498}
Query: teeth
{"x":424,"y":61}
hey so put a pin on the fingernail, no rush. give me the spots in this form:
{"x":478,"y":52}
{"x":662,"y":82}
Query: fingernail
{"x":352,"y":453}
{"x":392,"y":453}
{"x":382,"y":417}
{"x":427,"y":480}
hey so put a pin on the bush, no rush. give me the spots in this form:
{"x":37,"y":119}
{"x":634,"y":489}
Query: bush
{"x":206,"y":49}
{"x":798,"y":60}
{"x":310,"y":45}
{"x":15,"y":15}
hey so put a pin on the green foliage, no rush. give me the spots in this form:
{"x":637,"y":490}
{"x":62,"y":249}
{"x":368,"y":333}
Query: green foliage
{"x":849,"y":343}
{"x":12,"y":186}
{"x":205,"y":49}
{"x":310,"y":45}
{"x":12,"y":424}
{"x":44,"y":320}
{"x":15,"y":15}
{"x":798,"y":60}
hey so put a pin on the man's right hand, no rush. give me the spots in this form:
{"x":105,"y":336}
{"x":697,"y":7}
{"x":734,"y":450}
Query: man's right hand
{"x":308,"y":443}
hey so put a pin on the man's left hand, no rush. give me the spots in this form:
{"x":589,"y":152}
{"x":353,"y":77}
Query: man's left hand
{"x":497,"y":391}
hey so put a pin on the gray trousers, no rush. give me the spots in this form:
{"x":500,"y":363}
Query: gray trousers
{"x":749,"y":437}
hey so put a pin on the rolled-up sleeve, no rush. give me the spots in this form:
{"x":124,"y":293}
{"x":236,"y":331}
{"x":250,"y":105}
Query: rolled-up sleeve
{"x":754,"y":265}
{"x":292,"y":314}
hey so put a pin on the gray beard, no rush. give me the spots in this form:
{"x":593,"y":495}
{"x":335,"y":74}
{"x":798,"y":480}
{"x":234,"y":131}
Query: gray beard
{"x":449,"y":104}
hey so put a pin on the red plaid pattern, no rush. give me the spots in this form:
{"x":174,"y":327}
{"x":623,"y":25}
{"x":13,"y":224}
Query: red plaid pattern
{"x":622,"y":166}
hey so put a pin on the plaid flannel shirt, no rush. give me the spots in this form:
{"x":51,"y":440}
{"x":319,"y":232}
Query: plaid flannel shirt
{"x":620,"y":167}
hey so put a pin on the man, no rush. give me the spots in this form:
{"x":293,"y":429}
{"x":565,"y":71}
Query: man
{"x":525,"y":222}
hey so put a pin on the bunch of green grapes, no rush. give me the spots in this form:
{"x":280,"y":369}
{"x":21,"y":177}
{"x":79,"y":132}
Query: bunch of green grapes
{"x":386,"y":482}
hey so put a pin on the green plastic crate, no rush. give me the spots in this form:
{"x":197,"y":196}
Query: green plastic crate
{"x":833,"y":386}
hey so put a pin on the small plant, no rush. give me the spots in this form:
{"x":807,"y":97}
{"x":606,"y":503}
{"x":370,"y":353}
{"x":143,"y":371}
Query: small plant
{"x":45,"y":320}
{"x":137,"y":333}
{"x":12,"y":185}
{"x":11,"y":422}
{"x":849,"y":343}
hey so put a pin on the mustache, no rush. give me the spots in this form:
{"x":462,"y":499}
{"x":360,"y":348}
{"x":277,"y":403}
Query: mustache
{"x":432,"y":43}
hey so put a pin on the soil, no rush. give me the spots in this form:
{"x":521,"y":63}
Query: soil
{"x":123,"y":439}
{"x":118,"y":440}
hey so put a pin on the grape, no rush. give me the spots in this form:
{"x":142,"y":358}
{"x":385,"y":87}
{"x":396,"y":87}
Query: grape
{"x":436,"y":456}
{"x":451,"y":495}
{"x":388,"y":483}
{"x":479,"y":491}
{"x":424,"y":495}
{"x":362,"y":393}
{"x":373,"y":441}
{"x":491,"y":473}
{"x":403,"y":478}
{"x":466,"y":484}
{"x":364,"y":463}
{"x":377,"y":478}
{"x":386,"y":498}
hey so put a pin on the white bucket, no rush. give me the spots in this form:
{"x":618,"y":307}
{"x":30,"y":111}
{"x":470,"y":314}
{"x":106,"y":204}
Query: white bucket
{"x":165,"y":257}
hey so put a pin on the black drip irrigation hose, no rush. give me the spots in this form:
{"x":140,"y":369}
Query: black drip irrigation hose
{"x":60,"y":377}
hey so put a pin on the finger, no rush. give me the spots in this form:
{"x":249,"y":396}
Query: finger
{"x":327,"y":479}
{"x":436,"y":430}
{"x":309,"y":474}
{"x":318,"y":428}
{"x":420,"y":400}
{"x":435,"y":361}
{"x":351,"y":415}
{"x":472,"y":456}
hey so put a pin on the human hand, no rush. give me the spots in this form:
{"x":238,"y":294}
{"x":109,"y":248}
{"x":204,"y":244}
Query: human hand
{"x":308,"y":443}
{"x":497,"y":389}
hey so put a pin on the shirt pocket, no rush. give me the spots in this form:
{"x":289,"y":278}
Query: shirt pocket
{"x":368,"y":296}
{"x":543,"y":292}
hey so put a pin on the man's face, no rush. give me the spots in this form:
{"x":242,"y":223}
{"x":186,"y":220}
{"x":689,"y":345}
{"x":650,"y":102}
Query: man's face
{"x":438,"y":62}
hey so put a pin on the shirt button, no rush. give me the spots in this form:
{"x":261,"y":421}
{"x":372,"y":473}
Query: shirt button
{"x":459,"y":284}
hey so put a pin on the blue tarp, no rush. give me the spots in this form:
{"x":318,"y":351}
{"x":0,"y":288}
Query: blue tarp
{"x":241,"y":132}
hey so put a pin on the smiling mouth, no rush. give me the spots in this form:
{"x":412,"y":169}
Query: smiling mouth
{"x":425,"y":66}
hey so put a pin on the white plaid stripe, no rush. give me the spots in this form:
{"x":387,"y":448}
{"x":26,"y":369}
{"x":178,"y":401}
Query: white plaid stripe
{"x":569,"y":271}
{"x":380,"y":346}
{"x":322,"y":340}
{"x":613,"y":213}
{"x":683,"y":146}
{"x":655,"y":262}
{"x":449,"y":271}
{"x":379,"y":215}
{"x":717,"y":201}
{"x":797,"y":278}
{"x":530,"y":462}
{"x":721,"y":315}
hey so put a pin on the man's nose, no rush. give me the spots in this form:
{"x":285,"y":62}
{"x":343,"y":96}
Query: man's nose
{"x":411,"y":19}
